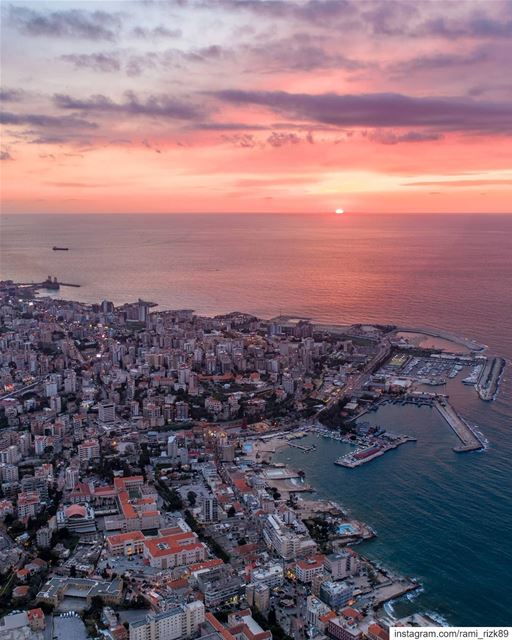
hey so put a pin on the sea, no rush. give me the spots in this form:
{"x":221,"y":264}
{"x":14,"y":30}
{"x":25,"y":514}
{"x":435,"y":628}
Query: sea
{"x":441,"y":517}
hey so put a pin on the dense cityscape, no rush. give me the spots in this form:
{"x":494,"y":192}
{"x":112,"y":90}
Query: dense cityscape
{"x":139,"y":495}
{"x":255,"y":320}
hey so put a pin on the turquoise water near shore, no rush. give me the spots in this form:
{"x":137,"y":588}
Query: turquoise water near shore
{"x":445,"y":518}
{"x":441,"y":517}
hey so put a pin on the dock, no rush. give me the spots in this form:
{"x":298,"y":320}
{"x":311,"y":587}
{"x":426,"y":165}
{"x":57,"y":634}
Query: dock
{"x":301,"y":446}
{"x":362,"y":456}
{"x":49,"y":283}
{"x":397,"y":589}
{"x":462,"y":430}
{"x":488,"y":383}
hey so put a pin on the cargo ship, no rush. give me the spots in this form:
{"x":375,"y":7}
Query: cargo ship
{"x":60,"y":248}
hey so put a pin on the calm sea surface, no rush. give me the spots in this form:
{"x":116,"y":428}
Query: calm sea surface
{"x":441,"y":517}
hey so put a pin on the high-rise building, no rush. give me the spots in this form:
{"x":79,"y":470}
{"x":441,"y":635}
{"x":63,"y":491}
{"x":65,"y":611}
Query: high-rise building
{"x":183,"y":374}
{"x":72,"y":476}
{"x":271,"y":575}
{"x":56,"y":404}
{"x":181,"y":621}
{"x":209,"y":508}
{"x":182,"y":411}
{"x":284,"y":540}
{"x":288,"y":383}
{"x":143,"y":310}
{"x":107,"y":306}
{"x":258,"y":595}
{"x":8,"y":472}
{"x":88,"y":450}
{"x":336,"y":594}
{"x":227,"y":452}
{"x":50,"y":388}
{"x":193,"y":384}
{"x":107,"y":412}
{"x":70,"y":382}
{"x":172,"y":447}
{"x":341,"y":565}
{"x":340,"y":629}
{"x":43,"y":537}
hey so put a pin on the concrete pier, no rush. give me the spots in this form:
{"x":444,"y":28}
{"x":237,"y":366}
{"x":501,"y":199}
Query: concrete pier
{"x":468,"y":439}
{"x":396,"y":589}
{"x":301,"y":446}
{"x":488,"y":383}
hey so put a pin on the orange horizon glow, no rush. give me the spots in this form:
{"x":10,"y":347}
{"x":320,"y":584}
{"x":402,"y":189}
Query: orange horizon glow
{"x":132,"y":112}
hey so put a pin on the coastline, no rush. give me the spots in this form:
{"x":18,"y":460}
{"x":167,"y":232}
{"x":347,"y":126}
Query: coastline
{"x":274,"y":445}
{"x":395,"y":586}
{"x":469,"y":343}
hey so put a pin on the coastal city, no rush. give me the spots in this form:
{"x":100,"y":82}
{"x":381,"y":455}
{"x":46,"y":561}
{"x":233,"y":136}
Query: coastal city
{"x":140,"y":494}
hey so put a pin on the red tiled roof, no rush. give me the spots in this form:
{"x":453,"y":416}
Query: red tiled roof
{"x":167,"y":545}
{"x":349,"y":612}
{"x":327,"y":616}
{"x":35,"y":613}
{"x":376,"y":630}
{"x":129,"y":536}
{"x":206,"y":564}
{"x":219,"y":627}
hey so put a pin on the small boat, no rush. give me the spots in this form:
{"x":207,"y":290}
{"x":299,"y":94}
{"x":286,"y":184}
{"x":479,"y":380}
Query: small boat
{"x":60,"y":248}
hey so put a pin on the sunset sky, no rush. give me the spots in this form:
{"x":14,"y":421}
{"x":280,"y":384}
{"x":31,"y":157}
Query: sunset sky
{"x":256,"y":106}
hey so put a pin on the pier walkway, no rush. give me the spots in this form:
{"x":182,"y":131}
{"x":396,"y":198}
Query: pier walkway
{"x":487,"y":386}
{"x":301,"y":446}
{"x":462,"y":430}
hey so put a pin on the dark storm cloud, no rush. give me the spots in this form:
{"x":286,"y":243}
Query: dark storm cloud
{"x":72,"y":23}
{"x":104,"y":62}
{"x":154,"y":106}
{"x":39,"y":120}
{"x":380,"y":110}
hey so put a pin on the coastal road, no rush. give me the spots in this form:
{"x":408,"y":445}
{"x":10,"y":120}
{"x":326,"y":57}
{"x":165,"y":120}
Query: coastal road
{"x":357,"y":381}
{"x":17,"y":392}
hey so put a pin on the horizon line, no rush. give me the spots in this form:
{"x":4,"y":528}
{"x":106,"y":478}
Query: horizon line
{"x":242,"y":213}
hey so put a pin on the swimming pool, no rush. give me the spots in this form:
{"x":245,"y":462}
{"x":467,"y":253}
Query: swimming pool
{"x":346,"y":529}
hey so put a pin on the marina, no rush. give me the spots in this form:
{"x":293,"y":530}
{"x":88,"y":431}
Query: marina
{"x":475,"y":374}
{"x":363,"y":455}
